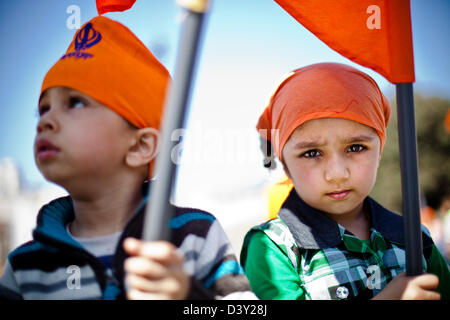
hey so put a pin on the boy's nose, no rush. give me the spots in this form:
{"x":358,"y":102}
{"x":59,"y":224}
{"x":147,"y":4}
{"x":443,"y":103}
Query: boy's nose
{"x":336,"y":170}
{"x":47,"y":122}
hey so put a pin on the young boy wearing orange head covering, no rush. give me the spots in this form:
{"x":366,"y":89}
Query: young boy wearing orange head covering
{"x":327,"y":124}
{"x":100,"y":110}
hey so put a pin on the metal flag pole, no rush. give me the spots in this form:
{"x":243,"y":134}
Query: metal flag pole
{"x":159,"y":211}
{"x":410,"y":180}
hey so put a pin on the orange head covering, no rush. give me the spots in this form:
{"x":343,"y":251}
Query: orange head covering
{"x":323,"y":90}
{"x":107,"y":62}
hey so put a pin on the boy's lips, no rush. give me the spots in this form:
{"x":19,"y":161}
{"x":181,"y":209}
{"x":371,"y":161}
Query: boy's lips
{"x":339,"y":194}
{"x":45,"y":149}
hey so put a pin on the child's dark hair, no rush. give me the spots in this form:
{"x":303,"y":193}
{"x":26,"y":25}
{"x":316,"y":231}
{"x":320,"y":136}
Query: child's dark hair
{"x":132,"y":126}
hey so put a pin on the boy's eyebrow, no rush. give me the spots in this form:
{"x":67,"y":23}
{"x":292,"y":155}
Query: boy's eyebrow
{"x":308,"y":144}
{"x":317,"y":144}
{"x":65,"y":89}
{"x":42,"y":97}
{"x":360,"y":138}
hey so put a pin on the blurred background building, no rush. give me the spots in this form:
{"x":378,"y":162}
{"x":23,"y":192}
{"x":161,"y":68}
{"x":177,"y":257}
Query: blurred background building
{"x":19,"y":205}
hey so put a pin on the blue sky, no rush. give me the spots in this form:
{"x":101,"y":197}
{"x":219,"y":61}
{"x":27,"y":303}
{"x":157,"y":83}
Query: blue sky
{"x":248,"y":46}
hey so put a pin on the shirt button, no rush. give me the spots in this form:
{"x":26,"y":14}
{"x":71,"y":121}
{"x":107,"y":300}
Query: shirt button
{"x":342,"y":292}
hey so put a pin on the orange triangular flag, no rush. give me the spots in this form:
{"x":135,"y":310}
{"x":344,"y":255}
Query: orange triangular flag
{"x":373,"y":33}
{"x":104,"y":6}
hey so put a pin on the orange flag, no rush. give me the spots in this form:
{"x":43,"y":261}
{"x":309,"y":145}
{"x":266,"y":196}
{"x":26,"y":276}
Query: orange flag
{"x":373,"y":33}
{"x":104,"y":6}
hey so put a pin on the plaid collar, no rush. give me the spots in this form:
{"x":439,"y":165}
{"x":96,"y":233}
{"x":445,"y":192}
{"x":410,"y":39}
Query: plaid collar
{"x":312,"y":229}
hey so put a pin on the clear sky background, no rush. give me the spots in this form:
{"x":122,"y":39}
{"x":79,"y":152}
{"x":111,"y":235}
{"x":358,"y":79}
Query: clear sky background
{"x":248,"y":45}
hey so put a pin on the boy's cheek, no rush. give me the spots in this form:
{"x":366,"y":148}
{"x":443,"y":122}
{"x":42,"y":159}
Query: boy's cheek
{"x":307,"y":182}
{"x":305,"y":176}
{"x":367,"y":169}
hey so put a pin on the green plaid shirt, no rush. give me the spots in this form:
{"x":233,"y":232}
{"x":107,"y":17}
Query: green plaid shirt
{"x":308,"y":256}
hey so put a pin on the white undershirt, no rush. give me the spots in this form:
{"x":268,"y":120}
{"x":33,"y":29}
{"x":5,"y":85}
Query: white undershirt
{"x":99,"y":246}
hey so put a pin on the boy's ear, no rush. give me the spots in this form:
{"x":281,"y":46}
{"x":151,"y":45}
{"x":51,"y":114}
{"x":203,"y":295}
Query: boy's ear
{"x":144,"y":148}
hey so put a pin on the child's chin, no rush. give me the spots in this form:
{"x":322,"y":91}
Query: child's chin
{"x":53,"y":177}
{"x":342,"y":208}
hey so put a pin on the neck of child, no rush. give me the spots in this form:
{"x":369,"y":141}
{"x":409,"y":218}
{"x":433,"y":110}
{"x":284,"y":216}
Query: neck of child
{"x":356,"y":221}
{"x":103,"y":211}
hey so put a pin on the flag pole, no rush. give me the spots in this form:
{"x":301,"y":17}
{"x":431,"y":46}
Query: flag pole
{"x":159,"y":211}
{"x":410,"y":179}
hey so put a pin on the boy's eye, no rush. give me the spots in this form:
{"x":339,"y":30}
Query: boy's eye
{"x":356,"y":148}
{"x":43,"y":109}
{"x":311,"y":154}
{"x":76,"y":103}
